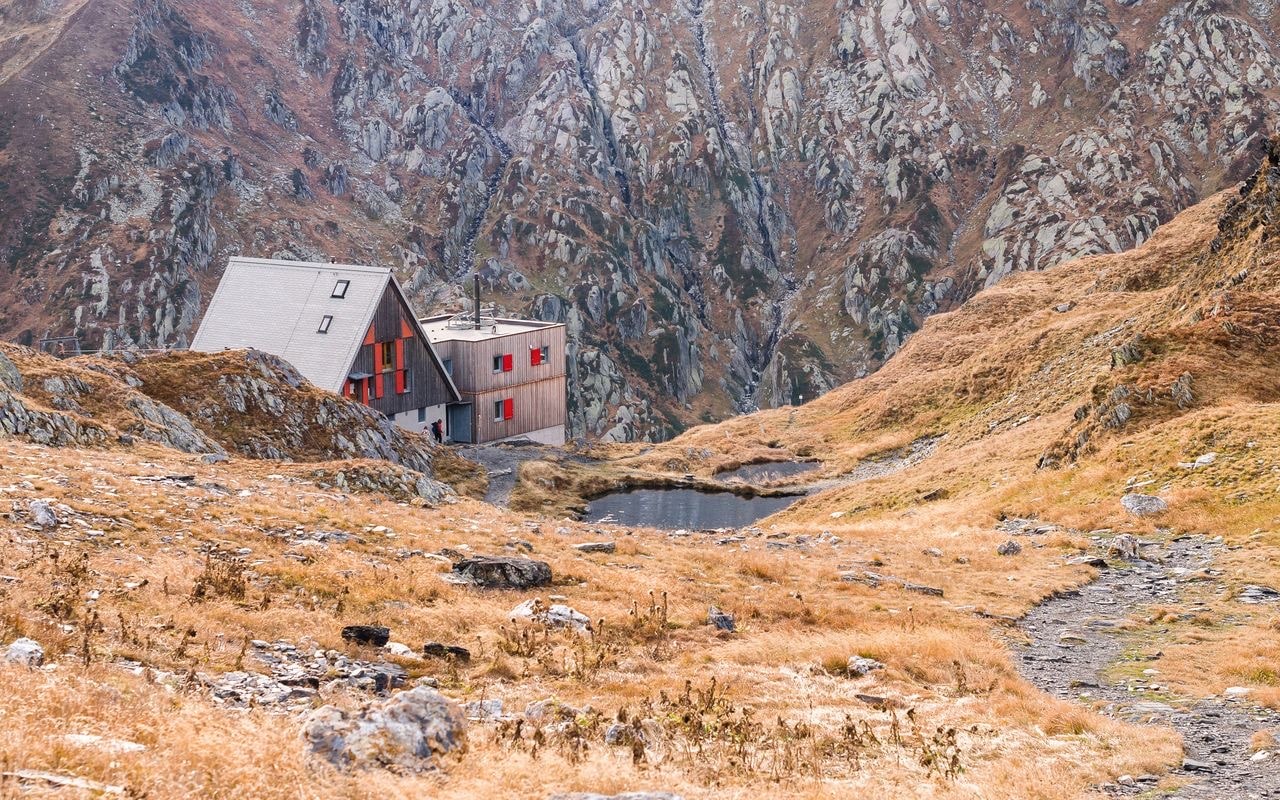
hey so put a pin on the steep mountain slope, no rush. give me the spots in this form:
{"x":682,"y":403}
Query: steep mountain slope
{"x":730,"y":205}
{"x":1054,"y":370}
{"x":1128,"y":401}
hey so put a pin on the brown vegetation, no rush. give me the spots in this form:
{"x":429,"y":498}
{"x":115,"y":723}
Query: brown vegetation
{"x":156,"y":571}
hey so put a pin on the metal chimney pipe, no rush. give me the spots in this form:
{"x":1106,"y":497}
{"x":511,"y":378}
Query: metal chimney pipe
{"x":477,"y":292}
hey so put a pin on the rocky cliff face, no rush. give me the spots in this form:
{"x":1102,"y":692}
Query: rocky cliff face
{"x":729,"y":205}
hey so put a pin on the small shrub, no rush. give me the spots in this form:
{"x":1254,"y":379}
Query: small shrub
{"x":223,"y":577}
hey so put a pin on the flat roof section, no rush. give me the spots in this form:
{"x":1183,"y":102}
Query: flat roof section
{"x":438,"y":328}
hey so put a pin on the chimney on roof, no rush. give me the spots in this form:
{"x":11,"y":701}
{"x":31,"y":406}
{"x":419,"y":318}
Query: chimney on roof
{"x":477,"y":293}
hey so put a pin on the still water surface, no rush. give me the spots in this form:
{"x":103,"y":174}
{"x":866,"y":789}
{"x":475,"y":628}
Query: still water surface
{"x":673,"y":509}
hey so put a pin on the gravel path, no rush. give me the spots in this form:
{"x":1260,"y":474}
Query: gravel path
{"x":1074,"y":641}
{"x":502,"y":462}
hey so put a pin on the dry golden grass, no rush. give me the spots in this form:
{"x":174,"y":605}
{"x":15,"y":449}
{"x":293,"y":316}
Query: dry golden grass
{"x":1010,"y":382}
{"x":794,"y":617}
{"x":1015,"y":386}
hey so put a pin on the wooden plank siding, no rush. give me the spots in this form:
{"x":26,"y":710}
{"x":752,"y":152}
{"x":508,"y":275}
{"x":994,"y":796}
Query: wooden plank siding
{"x":535,"y":406}
{"x":537,"y":392}
{"x":426,"y":386}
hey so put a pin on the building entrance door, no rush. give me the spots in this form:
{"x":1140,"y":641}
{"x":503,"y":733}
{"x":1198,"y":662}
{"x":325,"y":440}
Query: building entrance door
{"x":459,"y":421}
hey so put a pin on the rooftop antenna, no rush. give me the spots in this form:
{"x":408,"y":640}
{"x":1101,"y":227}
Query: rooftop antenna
{"x":477,"y":293}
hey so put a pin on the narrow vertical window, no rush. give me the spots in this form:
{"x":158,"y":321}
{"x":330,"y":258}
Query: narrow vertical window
{"x":497,"y":411}
{"x":497,"y":363}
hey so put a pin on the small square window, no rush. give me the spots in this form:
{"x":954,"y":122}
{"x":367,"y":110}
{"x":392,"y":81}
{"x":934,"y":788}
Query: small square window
{"x":497,"y":363}
{"x":325,"y":322}
{"x":340,"y":289}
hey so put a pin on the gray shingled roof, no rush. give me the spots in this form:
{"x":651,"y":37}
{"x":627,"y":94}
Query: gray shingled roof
{"x":277,"y":306}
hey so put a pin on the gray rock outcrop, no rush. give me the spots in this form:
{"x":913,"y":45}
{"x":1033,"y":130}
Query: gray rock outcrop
{"x":1143,"y":505}
{"x":26,"y":652}
{"x":409,"y":731}
{"x":503,"y":572}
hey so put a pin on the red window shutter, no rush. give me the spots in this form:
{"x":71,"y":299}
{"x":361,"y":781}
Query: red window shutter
{"x":406,"y":332}
{"x":399,"y":353}
{"x":508,"y":363}
{"x":508,"y":408}
{"x":399,"y":381}
{"x":535,"y":356}
{"x":368,"y":337}
{"x":378,"y":390}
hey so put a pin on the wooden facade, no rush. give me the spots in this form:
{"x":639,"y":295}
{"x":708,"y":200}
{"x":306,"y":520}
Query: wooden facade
{"x":393,"y":371}
{"x":514,"y":379}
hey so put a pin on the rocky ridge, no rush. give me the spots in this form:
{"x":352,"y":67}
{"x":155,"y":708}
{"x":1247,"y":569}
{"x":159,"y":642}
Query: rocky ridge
{"x":242,"y":402}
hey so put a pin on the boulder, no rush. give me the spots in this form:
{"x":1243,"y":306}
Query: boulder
{"x":1254,"y":593}
{"x":503,"y":572}
{"x":1009,"y":548}
{"x":1097,"y":562}
{"x":722,"y":620}
{"x":553,"y":616}
{"x":42,"y":514}
{"x":27,"y":652}
{"x":10,"y":377}
{"x":408,"y":731}
{"x":1126,"y":546}
{"x":374,"y":635}
{"x":438,"y":650}
{"x":596,"y":547}
{"x":1143,"y":505}
{"x":483,"y":709}
{"x":859,"y":666}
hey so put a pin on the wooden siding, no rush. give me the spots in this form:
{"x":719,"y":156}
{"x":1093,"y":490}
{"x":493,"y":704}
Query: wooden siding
{"x":427,"y":386}
{"x":537,"y":405}
{"x":473,"y":361}
{"x":537,"y":392}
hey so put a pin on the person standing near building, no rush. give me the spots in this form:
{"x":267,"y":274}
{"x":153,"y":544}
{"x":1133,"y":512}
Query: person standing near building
{"x":437,"y":431}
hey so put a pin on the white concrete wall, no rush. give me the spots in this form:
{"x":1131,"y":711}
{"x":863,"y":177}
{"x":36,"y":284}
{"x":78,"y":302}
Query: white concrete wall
{"x":409,"y":419}
{"x":553,"y":435}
